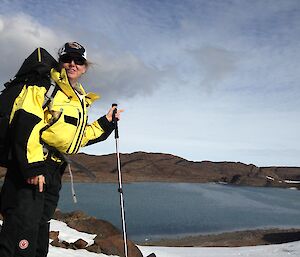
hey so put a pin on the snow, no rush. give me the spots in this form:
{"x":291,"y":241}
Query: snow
{"x":270,"y":178}
{"x":68,"y":234}
{"x":283,"y":250}
{"x":71,"y":235}
{"x":292,"y":181}
{"x":285,"y":181}
{"x":56,"y":251}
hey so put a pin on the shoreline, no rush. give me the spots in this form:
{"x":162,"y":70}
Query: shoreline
{"x":232,"y":239}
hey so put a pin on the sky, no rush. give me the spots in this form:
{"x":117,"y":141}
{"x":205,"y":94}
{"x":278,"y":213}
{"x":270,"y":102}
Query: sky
{"x":210,"y":80}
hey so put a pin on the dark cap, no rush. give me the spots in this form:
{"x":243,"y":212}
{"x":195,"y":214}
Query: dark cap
{"x":72,"y":48}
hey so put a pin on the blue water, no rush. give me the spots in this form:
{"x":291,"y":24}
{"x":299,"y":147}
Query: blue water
{"x":158,"y":210}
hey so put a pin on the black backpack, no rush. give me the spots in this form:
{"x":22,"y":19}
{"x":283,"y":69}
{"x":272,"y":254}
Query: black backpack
{"x":35,"y":70}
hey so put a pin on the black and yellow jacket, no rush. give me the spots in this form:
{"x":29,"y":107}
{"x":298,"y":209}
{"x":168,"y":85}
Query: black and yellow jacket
{"x":61,"y":125}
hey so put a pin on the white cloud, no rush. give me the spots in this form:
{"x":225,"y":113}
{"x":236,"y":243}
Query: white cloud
{"x":19,"y":36}
{"x":122,"y":74}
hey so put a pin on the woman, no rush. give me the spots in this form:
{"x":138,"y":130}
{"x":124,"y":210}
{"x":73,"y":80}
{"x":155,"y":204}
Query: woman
{"x":31,"y":188}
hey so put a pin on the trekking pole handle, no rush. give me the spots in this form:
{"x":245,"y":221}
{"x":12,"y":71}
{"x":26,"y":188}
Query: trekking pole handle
{"x":114,"y":112}
{"x":115,"y":120}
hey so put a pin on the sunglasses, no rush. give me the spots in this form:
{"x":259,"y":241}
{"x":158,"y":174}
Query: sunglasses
{"x":78,"y":60}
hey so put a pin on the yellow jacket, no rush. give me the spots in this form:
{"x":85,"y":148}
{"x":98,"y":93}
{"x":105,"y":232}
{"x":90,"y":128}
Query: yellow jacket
{"x":62,"y":125}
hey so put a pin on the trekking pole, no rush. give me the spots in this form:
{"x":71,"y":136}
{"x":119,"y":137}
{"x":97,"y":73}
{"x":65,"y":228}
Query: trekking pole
{"x":120,"y":190}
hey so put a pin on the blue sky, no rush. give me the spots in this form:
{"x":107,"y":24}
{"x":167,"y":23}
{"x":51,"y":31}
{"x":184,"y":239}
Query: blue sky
{"x":204,"y":80}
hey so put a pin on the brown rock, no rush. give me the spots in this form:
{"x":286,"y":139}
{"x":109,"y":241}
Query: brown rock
{"x":66,"y":217}
{"x":101,"y":228}
{"x":57,"y":243}
{"x":53,"y":235}
{"x":109,"y":239}
{"x":94,"y":248}
{"x":114,"y":245}
{"x":80,"y":244}
{"x":67,"y":244}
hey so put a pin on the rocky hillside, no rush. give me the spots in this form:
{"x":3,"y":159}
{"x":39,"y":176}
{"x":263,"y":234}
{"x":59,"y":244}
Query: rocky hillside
{"x":150,"y":167}
{"x":141,"y":166}
{"x":109,"y":239}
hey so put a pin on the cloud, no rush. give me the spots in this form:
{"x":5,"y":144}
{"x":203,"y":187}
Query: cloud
{"x":121,"y":74}
{"x":137,"y":47}
{"x":216,"y":46}
{"x":214,"y":64}
{"x":19,"y":36}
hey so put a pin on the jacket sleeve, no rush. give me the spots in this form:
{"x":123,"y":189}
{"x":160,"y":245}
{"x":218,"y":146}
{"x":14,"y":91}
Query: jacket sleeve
{"x":97,"y":131}
{"x":27,"y":121}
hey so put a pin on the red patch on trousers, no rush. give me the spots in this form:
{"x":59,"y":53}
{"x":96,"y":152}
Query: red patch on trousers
{"x":23,"y":244}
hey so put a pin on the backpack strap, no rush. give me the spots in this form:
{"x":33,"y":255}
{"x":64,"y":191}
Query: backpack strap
{"x":50,"y":93}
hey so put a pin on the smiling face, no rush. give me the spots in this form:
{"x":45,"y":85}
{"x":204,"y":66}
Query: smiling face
{"x":74,"y":67}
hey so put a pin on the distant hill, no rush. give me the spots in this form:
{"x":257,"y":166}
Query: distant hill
{"x":160,"y":167}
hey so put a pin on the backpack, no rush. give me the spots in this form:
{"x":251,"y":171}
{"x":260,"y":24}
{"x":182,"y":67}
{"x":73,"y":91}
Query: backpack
{"x":34,"y":70}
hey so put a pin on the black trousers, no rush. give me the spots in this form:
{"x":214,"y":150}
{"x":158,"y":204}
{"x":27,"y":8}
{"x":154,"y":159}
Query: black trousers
{"x":27,"y":212}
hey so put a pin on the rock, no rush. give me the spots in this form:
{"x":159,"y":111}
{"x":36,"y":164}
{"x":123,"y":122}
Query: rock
{"x":101,"y":228}
{"x":114,"y":245}
{"x":66,"y":217}
{"x":94,"y":248}
{"x":80,"y":244}
{"x":57,"y":243}
{"x":66,"y":244}
{"x":109,"y":239}
{"x":53,"y":235}
{"x":80,"y":221}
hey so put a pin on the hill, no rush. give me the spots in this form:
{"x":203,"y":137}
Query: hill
{"x":160,"y":167}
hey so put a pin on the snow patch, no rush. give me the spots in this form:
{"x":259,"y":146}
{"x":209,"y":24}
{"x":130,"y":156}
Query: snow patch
{"x":68,"y":234}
